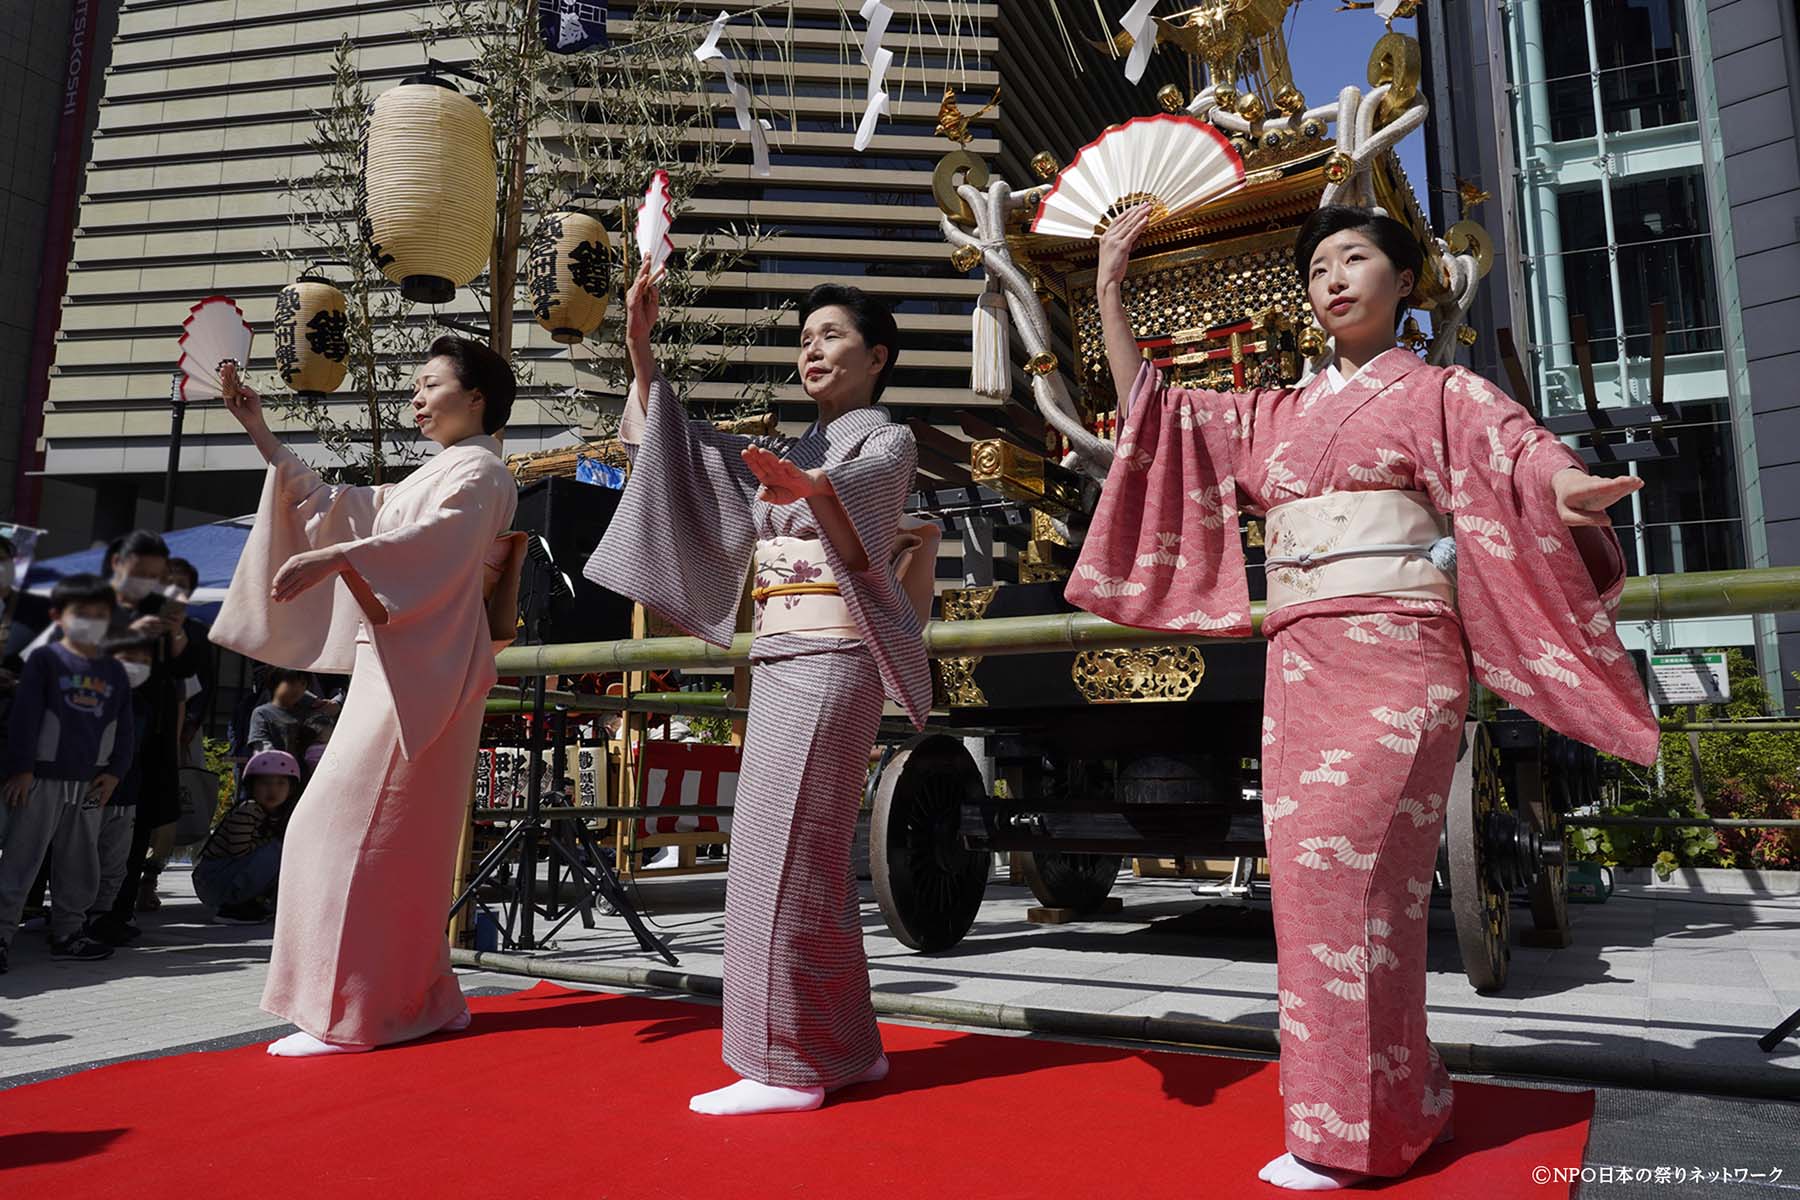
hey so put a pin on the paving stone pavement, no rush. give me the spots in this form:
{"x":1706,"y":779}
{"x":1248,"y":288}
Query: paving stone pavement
{"x":1667,"y":974}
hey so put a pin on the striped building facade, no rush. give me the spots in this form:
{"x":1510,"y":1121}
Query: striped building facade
{"x":205,"y":107}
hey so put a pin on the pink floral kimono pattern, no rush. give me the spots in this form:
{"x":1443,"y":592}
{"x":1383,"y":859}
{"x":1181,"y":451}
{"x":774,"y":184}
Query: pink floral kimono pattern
{"x":1365,"y":696}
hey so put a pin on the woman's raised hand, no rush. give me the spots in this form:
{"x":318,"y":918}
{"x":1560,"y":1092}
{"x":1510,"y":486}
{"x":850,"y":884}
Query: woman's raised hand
{"x":643,"y":302}
{"x":241,"y":400}
{"x":1116,"y":244}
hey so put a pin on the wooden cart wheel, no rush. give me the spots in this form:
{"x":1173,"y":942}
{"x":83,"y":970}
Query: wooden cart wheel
{"x":928,"y":883}
{"x":1549,"y":892}
{"x":1561,"y":777}
{"x":1477,"y":899}
{"x":1078,"y":881}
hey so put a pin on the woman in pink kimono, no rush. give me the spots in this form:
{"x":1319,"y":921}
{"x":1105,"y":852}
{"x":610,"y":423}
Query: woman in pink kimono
{"x":836,"y":633}
{"x":1361,"y":473}
{"x":386,"y":583}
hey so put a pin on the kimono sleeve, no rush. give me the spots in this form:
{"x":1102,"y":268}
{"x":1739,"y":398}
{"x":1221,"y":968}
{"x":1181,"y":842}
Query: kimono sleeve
{"x":413,"y":572}
{"x":1163,"y":550}
{"x":1537,"y":597}
{"x":298,"y":511}
{"x":872,"y":485}
{"x":681,"y":539}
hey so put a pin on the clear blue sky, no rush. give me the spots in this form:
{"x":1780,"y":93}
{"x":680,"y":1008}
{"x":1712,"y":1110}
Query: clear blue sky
{"x":1329,"y":49}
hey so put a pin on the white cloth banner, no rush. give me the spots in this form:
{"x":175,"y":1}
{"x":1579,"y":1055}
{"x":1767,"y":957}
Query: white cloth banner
{"x":877,"y":14}
{"x":1138,"y":22}
{"x":740,"y":96}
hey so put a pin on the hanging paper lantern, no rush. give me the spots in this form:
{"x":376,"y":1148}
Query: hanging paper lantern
{"x":428,"y":188}
{"x":568,"y":272}
{"x":312,"y":346}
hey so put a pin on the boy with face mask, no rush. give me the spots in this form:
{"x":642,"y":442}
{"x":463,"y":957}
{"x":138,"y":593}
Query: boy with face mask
{"x":70,"y":739}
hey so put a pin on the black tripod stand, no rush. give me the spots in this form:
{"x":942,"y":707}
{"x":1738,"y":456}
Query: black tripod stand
{"x":566,"y":840}
{"x":1780,"y":1033}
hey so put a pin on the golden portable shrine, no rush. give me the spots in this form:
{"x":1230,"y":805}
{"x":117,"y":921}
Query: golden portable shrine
{"x":1103,"y":754}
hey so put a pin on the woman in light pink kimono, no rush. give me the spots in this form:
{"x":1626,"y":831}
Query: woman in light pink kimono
{"x":386,"y":583}
{"x":1361,"y":473}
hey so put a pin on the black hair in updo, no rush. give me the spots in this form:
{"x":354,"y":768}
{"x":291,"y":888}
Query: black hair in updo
{"x":479,"y":369}
{"x":1390,"y":237}
{"x":871,"y":315}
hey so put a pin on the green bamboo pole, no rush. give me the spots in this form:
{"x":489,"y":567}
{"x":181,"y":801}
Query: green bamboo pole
{"x":1646,"y":598}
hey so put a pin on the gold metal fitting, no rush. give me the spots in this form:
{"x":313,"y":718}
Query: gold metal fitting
{"x":1041,"y":363}
{"x":1467,"y":335}
{"x":1312,"y":341}
{"x":965,"y":258}
{"x":958,"y":166}
{"x":1171,"y":98}
{"x":1044,"y":165}
{"x":1227,"y":98}
{"x":1251,"y":108}
{"x":1337,"y":167}
{"x":1312,"y":128}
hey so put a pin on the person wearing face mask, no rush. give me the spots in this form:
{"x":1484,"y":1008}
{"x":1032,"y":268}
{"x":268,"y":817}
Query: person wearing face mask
{"x":136,"y":655}
{"x":137,"y":563}
{"x":1361,"y":473}
{"x":837,"y":631}
{"x":69,"y":742}
{"x":393,"y":586}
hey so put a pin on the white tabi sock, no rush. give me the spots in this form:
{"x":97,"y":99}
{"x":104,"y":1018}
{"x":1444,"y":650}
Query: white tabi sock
{"x":1289,"y":1172}
{"x":305,"y":1045}
{"x":746,"y":1097}
{"x":875,"y":1073}
{"x":456,"y":1024}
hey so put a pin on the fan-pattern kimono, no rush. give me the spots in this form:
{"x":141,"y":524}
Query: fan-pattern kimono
{"x":1366,"y":695}
{"x":360,"y":952}
{"x":796,"y":997}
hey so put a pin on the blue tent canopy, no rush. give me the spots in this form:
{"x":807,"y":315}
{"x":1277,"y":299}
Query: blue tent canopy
{"x":213,"y":549}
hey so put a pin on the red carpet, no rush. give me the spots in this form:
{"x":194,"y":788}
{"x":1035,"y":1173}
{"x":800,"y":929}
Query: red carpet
{"x":553,"y":1093}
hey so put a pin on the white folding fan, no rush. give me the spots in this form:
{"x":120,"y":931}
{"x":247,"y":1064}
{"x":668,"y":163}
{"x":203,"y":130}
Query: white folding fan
{"x":653,"y":222}
{"x":1172,"y":161}
{"x":215,"y":330}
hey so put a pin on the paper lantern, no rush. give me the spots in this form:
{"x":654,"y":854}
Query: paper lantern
{"x":312,"y":347}
{"x":428,"y":188}
{"x":568,"y":273}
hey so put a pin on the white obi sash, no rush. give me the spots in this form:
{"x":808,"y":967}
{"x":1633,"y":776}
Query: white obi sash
{"x":1377,"y":543}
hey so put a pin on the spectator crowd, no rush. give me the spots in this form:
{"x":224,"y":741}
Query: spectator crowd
{"x":102,"y":717}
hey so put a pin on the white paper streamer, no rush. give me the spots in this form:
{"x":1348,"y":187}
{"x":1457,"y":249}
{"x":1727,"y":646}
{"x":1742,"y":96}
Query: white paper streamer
{"x":877,"y":14}
{"x":1138,"y":22}
{"x":740,"y":96}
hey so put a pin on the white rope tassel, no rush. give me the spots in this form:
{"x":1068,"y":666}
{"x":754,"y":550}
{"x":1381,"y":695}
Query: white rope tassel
{"x":1138,"y":22}
{"x":990,"y":374}
{"x":878,"y":60}
{"x":758,"y":129}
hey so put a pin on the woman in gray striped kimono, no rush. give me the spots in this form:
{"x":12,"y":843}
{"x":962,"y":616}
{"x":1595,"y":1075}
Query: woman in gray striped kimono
{"x":821,"y":522}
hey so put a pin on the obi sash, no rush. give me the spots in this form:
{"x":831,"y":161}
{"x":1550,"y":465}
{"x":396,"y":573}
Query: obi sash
{"x":798,"y":590}
{"x":1376,"y":543}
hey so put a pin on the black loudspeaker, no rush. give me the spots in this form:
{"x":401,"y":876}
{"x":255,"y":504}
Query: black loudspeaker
{"x":569,"y":518}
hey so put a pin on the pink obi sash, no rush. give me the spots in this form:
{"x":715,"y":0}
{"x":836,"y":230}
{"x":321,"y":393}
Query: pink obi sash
{"x":797,"y":590}
{"x":1376,"y":543}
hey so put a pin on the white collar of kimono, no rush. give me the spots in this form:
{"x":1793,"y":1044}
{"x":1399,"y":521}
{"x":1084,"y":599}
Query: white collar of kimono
{"x":853,"y":424}
{"x":1364,"y":374}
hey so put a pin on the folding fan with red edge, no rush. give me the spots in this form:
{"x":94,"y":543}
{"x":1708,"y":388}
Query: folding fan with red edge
{"x":215,"y":332}
{"x":653,"y":222}
{"x":1171,"y":160}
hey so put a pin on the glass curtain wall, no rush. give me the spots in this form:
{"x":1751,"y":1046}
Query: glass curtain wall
{"x":1615,"y":214}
